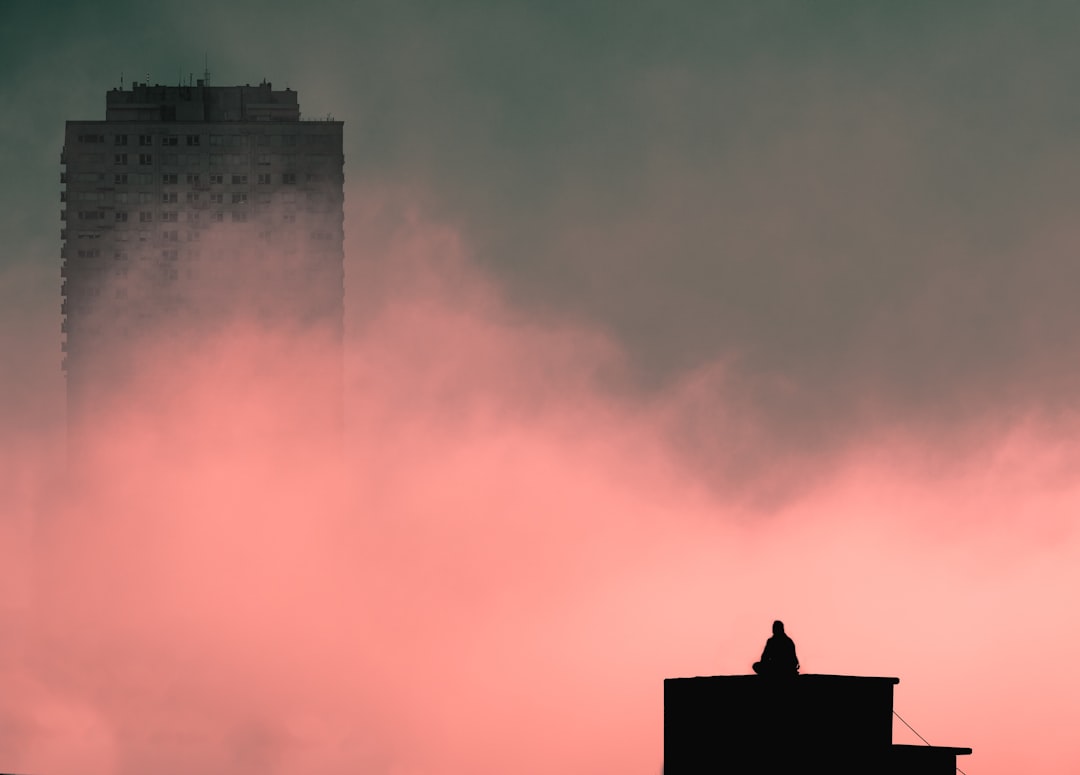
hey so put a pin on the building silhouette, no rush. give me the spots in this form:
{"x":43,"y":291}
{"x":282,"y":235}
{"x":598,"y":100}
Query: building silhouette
{"x":809,"y":723}
{"x":188,"y":206}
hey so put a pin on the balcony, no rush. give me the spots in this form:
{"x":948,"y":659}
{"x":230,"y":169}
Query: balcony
{"x":63,"y":178}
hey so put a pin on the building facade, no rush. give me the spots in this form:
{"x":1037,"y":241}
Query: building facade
{"x":189,"y":206}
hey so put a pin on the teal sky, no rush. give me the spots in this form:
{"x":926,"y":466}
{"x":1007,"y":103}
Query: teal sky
{"x":864,"y":210}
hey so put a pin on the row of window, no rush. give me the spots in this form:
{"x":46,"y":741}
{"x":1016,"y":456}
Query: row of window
{"x":220,"y":159}
{"x":189,"y":161}
{"x":313,"y":199}
{"x":192,"y":217}
{"x":174,"y":217}
{"x":214,"y":178}
{"x":237,"y":198}
{"x":172,"y":178}
{"x":223,"y":140}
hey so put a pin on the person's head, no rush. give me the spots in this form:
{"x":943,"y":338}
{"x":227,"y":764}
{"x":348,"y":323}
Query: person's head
{"x":778,"y":627}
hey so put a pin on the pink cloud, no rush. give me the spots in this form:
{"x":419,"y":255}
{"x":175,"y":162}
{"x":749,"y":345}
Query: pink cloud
{"x":505,"y":562}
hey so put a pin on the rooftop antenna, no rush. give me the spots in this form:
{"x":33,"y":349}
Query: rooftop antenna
{"x":121,"y":80}
{"x":206,"y":69}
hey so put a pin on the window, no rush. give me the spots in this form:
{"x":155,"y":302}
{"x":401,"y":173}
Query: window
{"x":192,"y":139}
{"x":145,"y":197}
{"x":288,"y":140}
{"x":192,"y":179}
{"x":192,"y":197}
{"x":145,"y":217}
{"x":90,"y":253}
{"x":314,"y":178}
{"x":120,"y":140}
{"x":288,"y":178}
{"x":146,"y":139}
{"x":143,"y":178}
{"x":168,"y":197}
{"x":122,"y":197}
{"x":228,"y":140}
{"x":170,"y":254}
{"x":263,"y":159}
{"x":120,"y":179}
{"x":289,"y":217}
{"x":120,"y":158}
{"x":217,"y":198}
{"x":91,"y":215}
{"x":217,"y":179}
{"x":193,"y":217}
{"x":239,"y":217}
{"x":170,"y":217}
{"x":170,"y":159}
{"x":121,"y":216}
{"x":217,"y":159}
{"x":171,"y":236}
{"x":146,"y":159}
{"x":239,"y":180}
{"x":169,"y":179}
{"x":239,"y":198}
{"x":264,"y":178}
{"x":170,"y":140}
{"x":91,"y":138}
{"x":219,"y":217}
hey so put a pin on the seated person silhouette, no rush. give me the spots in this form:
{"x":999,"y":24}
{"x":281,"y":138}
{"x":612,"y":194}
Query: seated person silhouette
{"x":778,"y":658}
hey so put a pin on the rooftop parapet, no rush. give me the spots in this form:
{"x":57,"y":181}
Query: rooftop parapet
{"x":200,"y":102}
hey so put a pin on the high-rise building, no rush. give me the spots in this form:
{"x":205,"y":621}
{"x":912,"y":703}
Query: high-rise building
{"x":189,"y":205}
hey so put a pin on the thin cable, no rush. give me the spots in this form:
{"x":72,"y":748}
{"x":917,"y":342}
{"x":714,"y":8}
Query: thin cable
{"x":920,"y":736}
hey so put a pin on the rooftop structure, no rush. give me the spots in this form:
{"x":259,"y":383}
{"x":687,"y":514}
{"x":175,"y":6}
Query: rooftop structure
{"x":808,"y":723}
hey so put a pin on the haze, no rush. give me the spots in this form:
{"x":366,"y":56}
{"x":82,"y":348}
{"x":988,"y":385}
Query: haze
{"x":659,"y":327}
